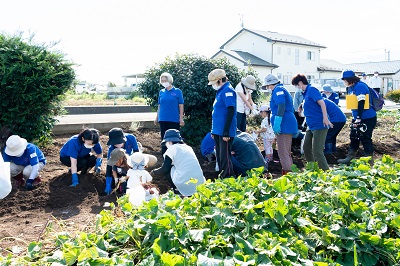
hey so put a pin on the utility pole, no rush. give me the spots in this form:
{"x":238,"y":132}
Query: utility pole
{"x":388,"y":55}
{"x":241,"y":20}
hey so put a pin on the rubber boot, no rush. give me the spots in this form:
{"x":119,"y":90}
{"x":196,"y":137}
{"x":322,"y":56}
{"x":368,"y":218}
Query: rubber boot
{"x":350,"y":156}
{"x":328,"y":148}
{"x":328,"y":152}
{"x":109,"y":181}
{"x":371,"y":162}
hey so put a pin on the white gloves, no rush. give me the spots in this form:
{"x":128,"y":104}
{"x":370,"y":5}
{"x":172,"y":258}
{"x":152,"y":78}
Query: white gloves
{"x":255,"y":112}
{"x":122,"y":179}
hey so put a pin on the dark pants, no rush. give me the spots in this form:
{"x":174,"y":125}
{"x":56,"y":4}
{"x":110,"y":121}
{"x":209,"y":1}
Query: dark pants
{"x":83,"y":163}
{"x":167,"y":176}
{"x":241,"y":121}
{"x":299,"y":119}
{"x":365,"y":138}
{"x":164,"y":126}
{"x":331,"y":136}
{"x":223,"y":153}
{"x":238,"y":167}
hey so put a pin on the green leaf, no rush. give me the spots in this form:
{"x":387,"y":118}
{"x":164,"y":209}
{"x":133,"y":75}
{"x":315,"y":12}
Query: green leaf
{"x":282,"y":184}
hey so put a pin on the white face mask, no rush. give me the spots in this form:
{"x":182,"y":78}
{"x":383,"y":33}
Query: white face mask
{"x":327,"y":94}
{"x":88,"y":146}
{"x":375,"y":75}
{"x":216,"y":87}
{"x":168,"y":144}
{"x":165,"y":84}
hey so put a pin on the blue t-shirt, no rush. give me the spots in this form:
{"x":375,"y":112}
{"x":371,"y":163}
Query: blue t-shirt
{"x":312,"y":110}
{"x":226,"y":96}
{"x":207,"y":144}
{"x":335,"y":114}
{"x":358,"y":89}
{"x":130,"y":145}
{"x":31,"y":156}
{"x":169,"y":101}
{"x":75,"y":149}
{"x":334,"y":97}
{"x":281,"y":96}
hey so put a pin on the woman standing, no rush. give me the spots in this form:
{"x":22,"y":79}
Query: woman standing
{"x":317,"y":121}
{"x":244,"y":102}
{"x":283,"y":120}
{"x":170,"y":107}
{"x":76,"y":153}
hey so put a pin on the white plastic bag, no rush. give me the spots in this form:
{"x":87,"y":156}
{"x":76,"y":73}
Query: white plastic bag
{"x":5,"y":181}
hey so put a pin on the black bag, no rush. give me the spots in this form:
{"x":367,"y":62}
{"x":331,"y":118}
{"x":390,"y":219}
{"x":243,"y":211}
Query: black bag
{"x":377,"y":100}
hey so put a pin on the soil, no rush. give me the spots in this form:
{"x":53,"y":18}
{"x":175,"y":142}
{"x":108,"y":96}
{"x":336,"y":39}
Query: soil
{"x":26,"y":215}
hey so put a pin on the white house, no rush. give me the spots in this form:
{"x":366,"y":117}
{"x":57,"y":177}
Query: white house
{"x":271,"y":52}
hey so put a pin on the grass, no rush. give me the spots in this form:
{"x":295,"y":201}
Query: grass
{"x":73,"y":99}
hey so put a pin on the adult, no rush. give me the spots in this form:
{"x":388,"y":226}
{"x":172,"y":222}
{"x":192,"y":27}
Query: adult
{"x":26,"y":161}
{"x":364,"y":78}
{"x":118,"y":139}
{"x":76,"y":153}
{"x":375,"y":82}
{"x":338,"y":119}
{"x":297,"y":100}
{"x":170,"y":107}
{"x":317,"y":122}
{"x":180,"y":167}
{"x":327,"y":92}
{"x":245,"y":154}
{"x":360,"y":116}
{"x":207,"y":147}
{"x":283,"y":120}
{"x":244,"y":102}
{"x":223,"y":127}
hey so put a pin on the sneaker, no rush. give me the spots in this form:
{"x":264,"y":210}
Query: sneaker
{"x":37,"y":180}
{"x":20,"y":181}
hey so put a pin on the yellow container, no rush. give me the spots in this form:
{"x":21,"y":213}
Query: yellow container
{"x":352,"y":103}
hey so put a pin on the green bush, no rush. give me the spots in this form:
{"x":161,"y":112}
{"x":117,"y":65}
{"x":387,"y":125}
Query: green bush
{"x":393,"y":95}
{"x":32,"y":79}
{"x":190,"y":73}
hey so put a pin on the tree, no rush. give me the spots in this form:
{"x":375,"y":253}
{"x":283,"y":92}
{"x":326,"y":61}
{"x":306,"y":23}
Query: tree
{"x":190,"y":73}
{"x":32,"y":80}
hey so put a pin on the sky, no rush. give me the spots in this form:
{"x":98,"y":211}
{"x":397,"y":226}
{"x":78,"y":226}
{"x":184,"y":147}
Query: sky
{"x":108,"y":39}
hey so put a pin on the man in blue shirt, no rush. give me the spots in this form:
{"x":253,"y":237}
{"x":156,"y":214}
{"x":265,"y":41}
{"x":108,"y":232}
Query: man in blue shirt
{"x":223,"y":127}
{"x":317,"y":121}
{"x":327,"y":92}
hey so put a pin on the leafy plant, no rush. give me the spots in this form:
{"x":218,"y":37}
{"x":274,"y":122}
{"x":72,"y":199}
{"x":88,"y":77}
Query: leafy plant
{"x":32,"y":78}
{"x":190,"y":73}
{"x":393,"y":95}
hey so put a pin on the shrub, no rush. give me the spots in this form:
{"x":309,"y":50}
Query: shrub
{"x":33,"y":78}
{"x":393,"y":95}
{"x":190,"y":73}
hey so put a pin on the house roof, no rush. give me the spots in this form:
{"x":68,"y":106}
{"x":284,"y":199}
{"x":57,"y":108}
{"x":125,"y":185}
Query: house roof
{"x":277,"y":37}
{"x":246,"y":58}
{"x":383,"y":67}
{"x":331,"y":65}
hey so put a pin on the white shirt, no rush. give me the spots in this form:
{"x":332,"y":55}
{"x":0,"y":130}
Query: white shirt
{"x":375,"y":82}
{"x":240,"y":104}
{"x":366,"y":81}
{"x":269,"y":134}
{"x":185,"y":168}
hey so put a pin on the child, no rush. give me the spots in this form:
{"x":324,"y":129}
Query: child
{"x":119,"y":163}
{"x":266,"y":132}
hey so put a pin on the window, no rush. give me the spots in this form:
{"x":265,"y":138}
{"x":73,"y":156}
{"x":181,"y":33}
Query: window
{"x":278,"y":50}
{"x":311,"y":55}
{"x":311,"y":79}
{"x":287,"y":79}
{"x":289,"y":51}
{"x":296,"y":57}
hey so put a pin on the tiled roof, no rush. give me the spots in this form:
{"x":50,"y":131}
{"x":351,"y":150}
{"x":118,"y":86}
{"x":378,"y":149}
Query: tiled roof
{"x":383,"y":67}
{"x":247,"y":58}
{"x":331,"y":65}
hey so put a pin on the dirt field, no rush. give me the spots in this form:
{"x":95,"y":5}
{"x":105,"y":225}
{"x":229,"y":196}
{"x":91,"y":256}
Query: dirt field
{"x":24,"y":215}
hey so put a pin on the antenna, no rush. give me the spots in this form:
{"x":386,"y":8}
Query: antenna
{"x":241,"y":20}
{"x":388,"y":55}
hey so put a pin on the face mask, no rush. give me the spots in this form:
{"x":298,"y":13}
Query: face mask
{"x":119,"y":145}
{"x":216,"y":87}
{"x":168,"y":144}
{"x":165,"y":84}
{"x":375,"y":75}
{"x":88,"y":146}
{"x":327,"y":94}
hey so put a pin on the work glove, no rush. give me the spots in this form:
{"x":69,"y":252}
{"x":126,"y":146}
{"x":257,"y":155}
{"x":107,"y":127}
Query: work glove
{"x":108,"y":189}
{"x":122,"y":179}
{"x":75,"y":180}
{"x":98,"y":165}
{"x":255,"y":112}
{"x":277,"y":125}
{"x":29,"y":184}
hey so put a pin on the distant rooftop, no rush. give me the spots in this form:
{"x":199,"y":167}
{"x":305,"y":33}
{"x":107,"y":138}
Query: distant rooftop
{"x":247,"y":58}
{"x":383,"y":67}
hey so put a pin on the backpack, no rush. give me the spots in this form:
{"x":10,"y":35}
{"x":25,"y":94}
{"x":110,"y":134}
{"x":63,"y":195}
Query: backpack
{"x":377,"y":100}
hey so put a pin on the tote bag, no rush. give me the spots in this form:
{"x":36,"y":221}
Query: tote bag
{"x":5,"y":181}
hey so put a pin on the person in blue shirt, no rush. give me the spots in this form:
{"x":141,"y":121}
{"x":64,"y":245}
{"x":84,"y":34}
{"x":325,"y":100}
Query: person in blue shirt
{"x":118,"y":139}
{"x":207,"y":147}
{"x":338,"y":120}
{"x":223,"y":127}
{"x":327,"y":92}
{"x":317,"y":121}
{"x":360,"y":116}
{"x":170,"y":107}
{"x":283,"y":120}
{"x":26,"y":161}
{"x":77,"y":153}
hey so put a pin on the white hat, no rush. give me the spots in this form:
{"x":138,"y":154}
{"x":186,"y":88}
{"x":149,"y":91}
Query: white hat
{"x":270,"y":79}
{"x":216,"y":75}
{"x":249,"y":82}
{"x":15,"y":145}
{"x":139,"y":158}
